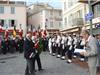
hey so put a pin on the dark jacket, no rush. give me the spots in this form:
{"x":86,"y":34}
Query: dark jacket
{"x":28,"y":48}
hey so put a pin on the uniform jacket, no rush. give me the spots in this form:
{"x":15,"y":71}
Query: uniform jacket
{"x":28,"y":48}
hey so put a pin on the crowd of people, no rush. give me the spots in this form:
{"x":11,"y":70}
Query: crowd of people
{"x":65,"y":44}
{"x":32,"y":46}
{"x":11,"y":44}
{"x":60,"y":45}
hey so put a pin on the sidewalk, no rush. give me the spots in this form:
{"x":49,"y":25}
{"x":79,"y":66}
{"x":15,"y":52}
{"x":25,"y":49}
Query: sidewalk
{"x":83,"y":64}
{"x":14,"y":64}
{"x":8,"y":56}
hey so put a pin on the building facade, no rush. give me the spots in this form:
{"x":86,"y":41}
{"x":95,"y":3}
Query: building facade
{"x":13,"y":13}
{"x":45,"y":17}
{"x":73,"y":16}
{"x":95,"y":4}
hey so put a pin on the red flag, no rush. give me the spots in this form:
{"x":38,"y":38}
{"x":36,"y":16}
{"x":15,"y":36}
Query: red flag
{"x":6,"y":34}
{"x":45,"y":32}
{"x":40,"y":32}
{"x":0,"y":28}
{"x":20,"y":33}
{"x":34,"y":32}
{"x":36,"y":45}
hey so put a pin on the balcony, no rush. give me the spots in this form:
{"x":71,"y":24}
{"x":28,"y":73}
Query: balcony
{"x":86,"y":1}
{"x":77,"y":22}
{"x":13,"y":2}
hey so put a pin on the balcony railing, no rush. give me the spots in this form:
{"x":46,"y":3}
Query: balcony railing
{"x":13,"y":2}
{"x":86,"y":1}
{"x":77,"y":22}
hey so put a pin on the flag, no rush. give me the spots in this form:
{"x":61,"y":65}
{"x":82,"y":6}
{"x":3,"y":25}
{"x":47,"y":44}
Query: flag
{"x":29,"y":31}
{"x":0,"y":28}
{"x":40,"y":32}
{"x":44,"y":33}
{"x":34,"y":32}
{"x":20,"y":33}
{"x":14,"y":32}
{"x":6,"y":34}
{"x":36,"y":45}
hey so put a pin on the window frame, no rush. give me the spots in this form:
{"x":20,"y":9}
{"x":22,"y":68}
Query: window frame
{"x":12,"y":10}
{"x":2,"y":9}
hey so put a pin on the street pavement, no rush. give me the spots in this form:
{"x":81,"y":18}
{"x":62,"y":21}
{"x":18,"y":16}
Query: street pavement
{"x":14,"y":64}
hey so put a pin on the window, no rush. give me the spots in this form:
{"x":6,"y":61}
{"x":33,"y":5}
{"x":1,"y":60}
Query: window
{"x":51,"y":24}
{"x":70,"y":3}
{"x":79,"y":14}
{"x":59,"y":24}
{"x":1,"y":10}
{"x":71,"y":19}
{"x":96,"y":10}
{"x":64,"y":5}
{"x":1,"y":22}
{"x":51,"y":12}
{"x":59,"y":13}
{"x":75,"y":15}
{"x":65,"y":20}
{"x":12,"y":10}
{"x":11,"y":23}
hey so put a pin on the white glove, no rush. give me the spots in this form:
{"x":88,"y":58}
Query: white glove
{"x":63,"y":46}
{"x":70,"y":48}
{"x":31,"y":55}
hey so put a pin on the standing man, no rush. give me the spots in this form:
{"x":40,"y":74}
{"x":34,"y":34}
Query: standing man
{"x":91,"y":51}
{"x":50,"y":45}
{"x":58,"y":42}
{"x":69,"y":48}
{"x":63,"y":50}
{"x":4,"y":46}
{"x":98,"y":63}
{"x":20,"y":44}
{"x":39,"y":49}
{"x":54,"y":45}
{"x":29,"y":54}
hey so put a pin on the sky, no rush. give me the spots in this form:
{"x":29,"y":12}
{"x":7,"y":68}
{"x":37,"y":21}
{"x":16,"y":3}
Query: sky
{"x":54,"y":3}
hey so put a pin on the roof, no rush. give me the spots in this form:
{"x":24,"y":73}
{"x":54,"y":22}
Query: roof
{"x":38,"y":7}
{"x":13,"y":2}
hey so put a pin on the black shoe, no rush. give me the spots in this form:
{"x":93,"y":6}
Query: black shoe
{"x":35,"y":70}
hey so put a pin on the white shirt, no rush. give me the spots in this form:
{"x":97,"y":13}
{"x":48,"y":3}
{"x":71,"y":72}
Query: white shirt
{"x":69,"y":40}
{"x":53,"y":39}
{"x":82,"y":42}
{"x":58,"y":39}
{"x":75,"y":41}
{"x":63,"y":40}
{"x":50,"y":42}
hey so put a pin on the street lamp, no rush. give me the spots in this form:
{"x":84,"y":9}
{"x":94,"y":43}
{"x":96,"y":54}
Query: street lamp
{"x":90,"y":21}
{"x":89,"y":16}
